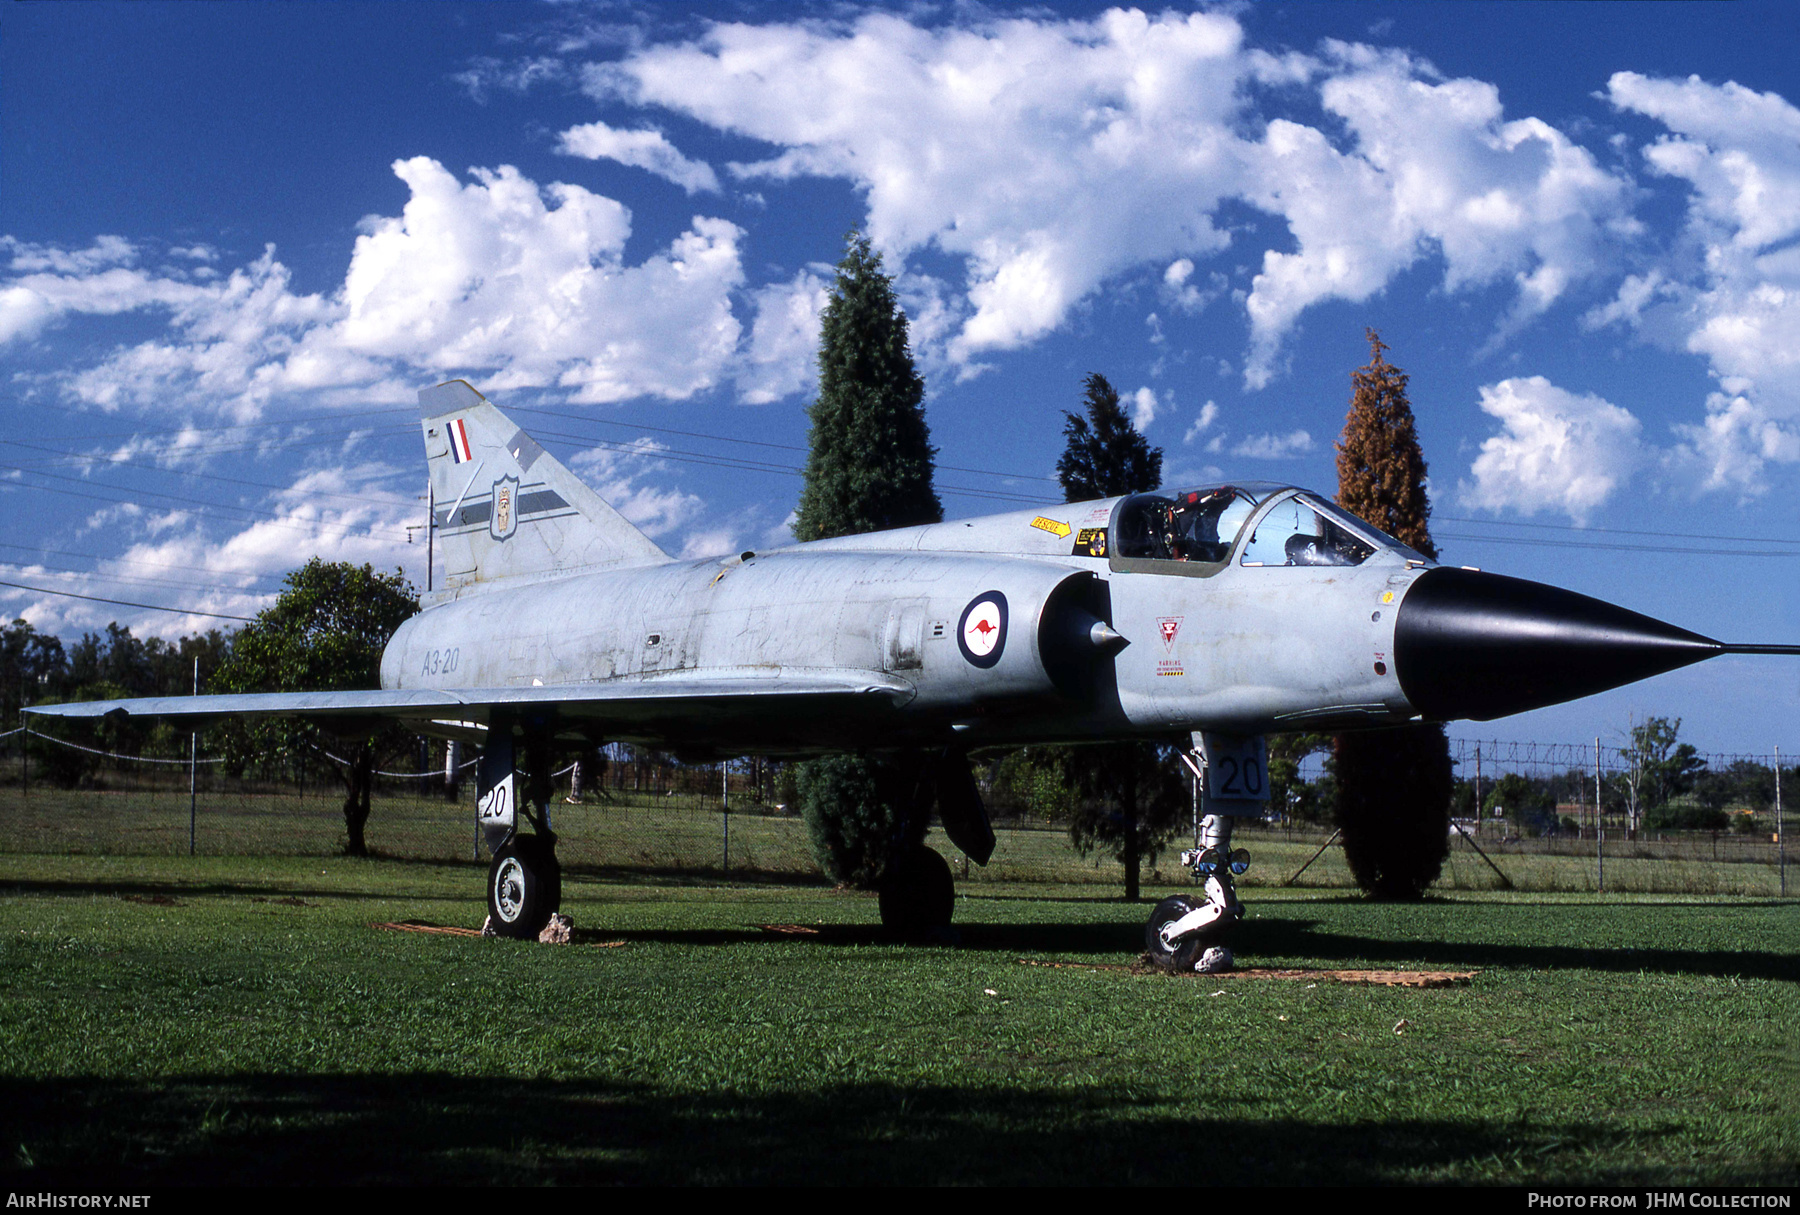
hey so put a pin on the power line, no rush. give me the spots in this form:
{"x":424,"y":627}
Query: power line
{"x":695,"y":434}
{"x":1621,"y":548}
{"x":123,"y":579}
{"x":1615,"y":531}
{"x":153,"y":607}
{"x":159,"y":565}
{"x":278,"y":519}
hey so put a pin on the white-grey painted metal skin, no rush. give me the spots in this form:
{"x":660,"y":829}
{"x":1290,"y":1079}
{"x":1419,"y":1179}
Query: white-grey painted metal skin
{"x":1223,"y":611}
{"x":553,"y":601}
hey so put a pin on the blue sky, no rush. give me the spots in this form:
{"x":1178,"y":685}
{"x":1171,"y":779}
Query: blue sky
{"x":237,"y":238}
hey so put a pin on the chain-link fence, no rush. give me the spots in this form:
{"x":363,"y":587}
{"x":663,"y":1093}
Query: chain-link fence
{"x":1528,"y":819}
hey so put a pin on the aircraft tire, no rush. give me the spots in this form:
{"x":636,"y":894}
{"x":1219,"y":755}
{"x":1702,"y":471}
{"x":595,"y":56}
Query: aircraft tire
{"x":918,"y":895}
{"x":1181,"y":959}
{"x":524,"y":887}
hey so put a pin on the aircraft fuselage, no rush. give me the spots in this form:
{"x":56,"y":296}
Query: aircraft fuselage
{"x":993,"y":646}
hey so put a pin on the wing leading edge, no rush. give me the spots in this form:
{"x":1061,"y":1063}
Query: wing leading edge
{"x":668,"y":708}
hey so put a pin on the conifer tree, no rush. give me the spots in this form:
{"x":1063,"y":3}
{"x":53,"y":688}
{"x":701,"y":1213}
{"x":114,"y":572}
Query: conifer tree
{"x":870,"y":461}
{"x":1105,"y":454}
{"x":1393,"y":786}
{"x":1381,"y":471}
{"x":1130,"y":793}
{"x":869,"y":469}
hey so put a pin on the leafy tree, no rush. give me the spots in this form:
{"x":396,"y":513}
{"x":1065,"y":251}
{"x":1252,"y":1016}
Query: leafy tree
{"x":1289,"y":793}
{"x":869,"y":468}
{"x":1752,"y":784}
{"x":1658,"y":767}
{"x":33,"y":667}
{"x":1526,"y":802}
{"x":1133,"y":798}
{"x":1393,"y":786}
{"x":1030,"y":780}
{"x":1714,"y":790}
{"x":325,"y":633}
{"x":1677,"y":816}
{"x":1104,"y":454}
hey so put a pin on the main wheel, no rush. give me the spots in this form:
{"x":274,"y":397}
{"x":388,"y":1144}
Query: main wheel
{"x":524,"y":887}
{"x":1184,"y":954}
{"x":918,"y":894}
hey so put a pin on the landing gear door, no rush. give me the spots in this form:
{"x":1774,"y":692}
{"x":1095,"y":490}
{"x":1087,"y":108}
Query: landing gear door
{"x":496,"y":809}
{"x":1237,"y":774}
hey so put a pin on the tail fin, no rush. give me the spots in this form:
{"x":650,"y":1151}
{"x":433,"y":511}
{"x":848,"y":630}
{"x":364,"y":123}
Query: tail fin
{"x":503,"y":507}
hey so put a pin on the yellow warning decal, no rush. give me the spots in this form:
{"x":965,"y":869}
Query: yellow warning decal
{"x":1387,"y":596}
{"x":1051,"y":526}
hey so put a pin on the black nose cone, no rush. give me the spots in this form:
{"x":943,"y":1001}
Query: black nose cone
{"x":1475,"y":645}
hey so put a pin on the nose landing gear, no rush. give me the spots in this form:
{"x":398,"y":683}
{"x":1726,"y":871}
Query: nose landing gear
{"x":1187,"y":934}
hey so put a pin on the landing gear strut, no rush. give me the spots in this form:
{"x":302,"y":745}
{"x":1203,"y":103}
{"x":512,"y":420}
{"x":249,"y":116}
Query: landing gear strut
{"x":1187,"y":934}
{"x":524,"y":887}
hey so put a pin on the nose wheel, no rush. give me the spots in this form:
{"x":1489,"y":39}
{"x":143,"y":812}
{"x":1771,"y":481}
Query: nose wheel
{"x":1186,"y":934}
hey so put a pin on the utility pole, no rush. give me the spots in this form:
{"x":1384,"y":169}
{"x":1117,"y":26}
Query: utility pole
{"x":1477,"y":788}
{"x":193,"y":765}
{"x":1599,"y":823}
{"x":1780,"y":835}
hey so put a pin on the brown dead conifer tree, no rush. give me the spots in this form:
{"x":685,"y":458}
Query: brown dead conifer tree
{"x":1393,"y":786}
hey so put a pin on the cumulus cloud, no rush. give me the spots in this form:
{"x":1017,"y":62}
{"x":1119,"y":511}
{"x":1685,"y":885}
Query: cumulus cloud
{"x":621,"y":474}
{"x":48,"y":284}
{"x":1272,"y":446}
{"x":1050,"y":156}
{"x":497,"y":277}
{"x":646,"y":149}
{"x":488,"y":275}
{"x":1436,"y":167}
{"x":1143,"y":408}
{"x":1209,"y":413}
{"x":1739,"y":153}
{"x":781,"y":356}
{"x":178,"y":558}
{"x":1556,"y":450}
{"x":1732,"y":446}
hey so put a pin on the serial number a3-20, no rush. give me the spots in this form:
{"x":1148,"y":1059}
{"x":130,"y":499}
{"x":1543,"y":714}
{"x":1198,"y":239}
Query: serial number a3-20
{"x":442,"y":662}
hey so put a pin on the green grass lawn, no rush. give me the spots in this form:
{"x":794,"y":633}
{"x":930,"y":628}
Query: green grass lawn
{"x":167,"y":1020}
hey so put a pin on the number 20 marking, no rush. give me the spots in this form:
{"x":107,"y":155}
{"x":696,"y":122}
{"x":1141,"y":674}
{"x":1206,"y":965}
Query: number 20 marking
{"x":1239,"y":779}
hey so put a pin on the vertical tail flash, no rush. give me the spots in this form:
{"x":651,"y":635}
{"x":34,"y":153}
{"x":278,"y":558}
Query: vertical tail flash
{"x":503,"y":507}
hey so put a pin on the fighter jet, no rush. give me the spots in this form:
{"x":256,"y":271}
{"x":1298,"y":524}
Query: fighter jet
{"x":1216,"y":612}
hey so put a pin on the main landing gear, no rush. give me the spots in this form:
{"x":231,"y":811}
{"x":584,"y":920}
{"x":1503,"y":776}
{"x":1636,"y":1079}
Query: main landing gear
{"x":1187,"y":933}
{"x":524,"y":886}
{"x":918,"y":895}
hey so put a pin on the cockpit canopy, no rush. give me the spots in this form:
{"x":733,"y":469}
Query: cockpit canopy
{"x":1279,"y":526}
